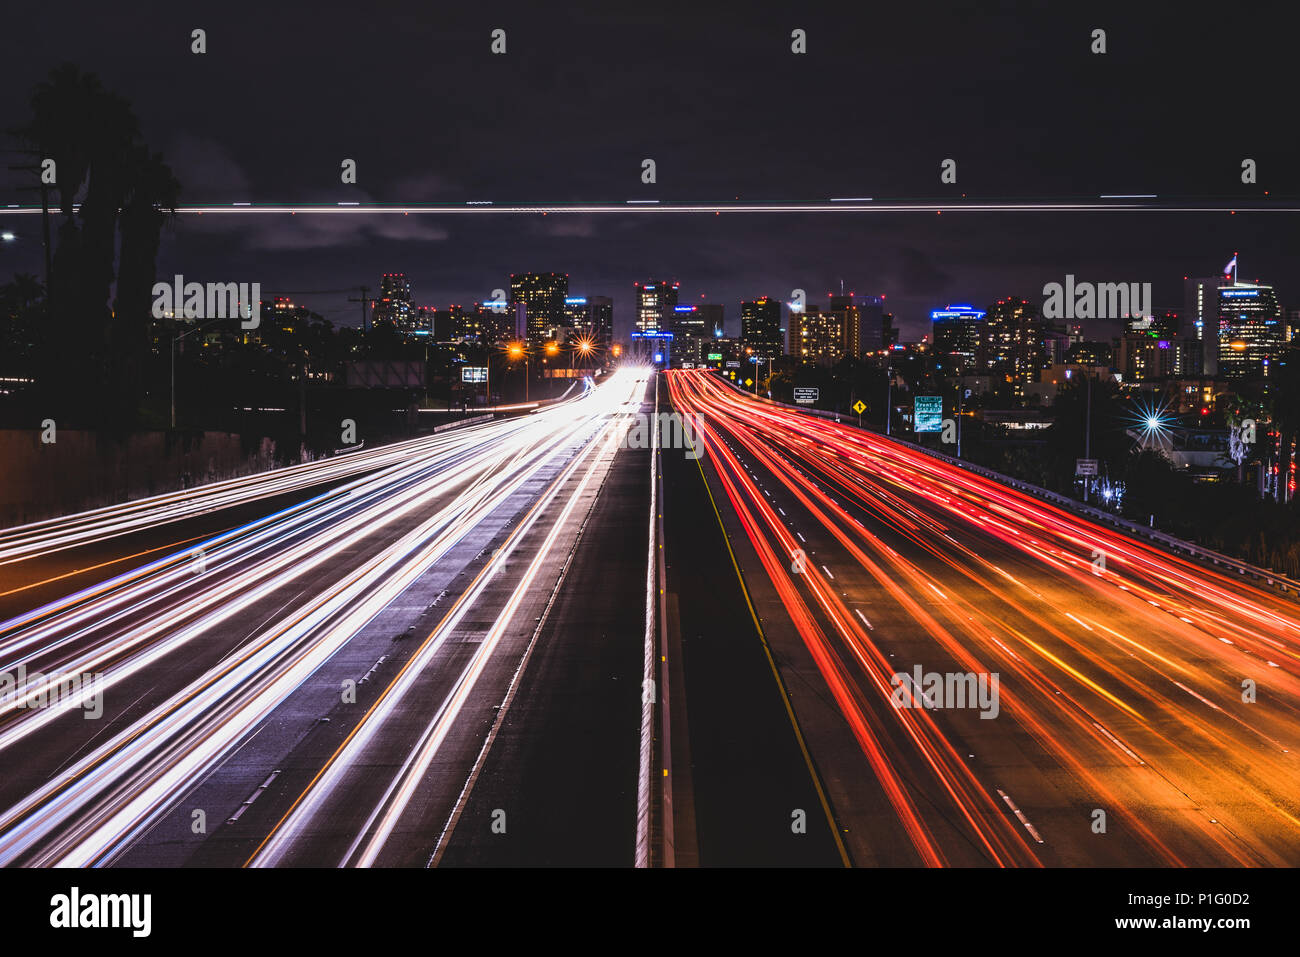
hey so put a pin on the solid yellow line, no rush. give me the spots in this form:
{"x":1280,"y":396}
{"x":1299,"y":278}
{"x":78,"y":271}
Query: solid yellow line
{"x":776,"y":674}
{"x":115,"y":561}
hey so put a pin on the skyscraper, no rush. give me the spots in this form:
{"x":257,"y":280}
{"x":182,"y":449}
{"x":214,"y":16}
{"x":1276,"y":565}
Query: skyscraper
{"x":847,"y":313}
{"x":542,"y":296}
{"x":862,"y":319}
{"x":655,"y":305}
{"x":601,"y":312}
{"x":1200,"y":320}
{"x":393,"y":305}
{"x":689,"y":334}
{"x":760,"y":327}
{"x":816,"y":337}
{"x":1250,"y":330}
{"x":958,"y":337}
{"x":1012,"y":342}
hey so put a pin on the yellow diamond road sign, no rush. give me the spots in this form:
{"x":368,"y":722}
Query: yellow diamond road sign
{"x":859,"y":407}
{"x":749,"y":382}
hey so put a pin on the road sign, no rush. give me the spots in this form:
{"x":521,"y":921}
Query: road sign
{"x":733,"y":363}
{"x":749,"y":382}
{"x":806,"y":395}
{"x":928,"y":413}
{"x":715,"y":356}
{"x":474,"y":374}
{"x":859,"y":407}
{"x":1085,"y":466}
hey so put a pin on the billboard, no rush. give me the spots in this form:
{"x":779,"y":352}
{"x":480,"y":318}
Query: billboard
{"x":928,"y":413}
{"x":385,"y":374}
{"x":473,"y":374}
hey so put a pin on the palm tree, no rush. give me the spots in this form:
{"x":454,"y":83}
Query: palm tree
{"x":103,"y":175}
{"x":152,"y":194}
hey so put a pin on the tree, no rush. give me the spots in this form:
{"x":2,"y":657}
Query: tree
{"x":93,"y":137}
{"x":151,"y":196}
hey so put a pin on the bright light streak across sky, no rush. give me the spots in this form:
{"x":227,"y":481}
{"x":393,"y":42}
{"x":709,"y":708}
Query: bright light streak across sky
{"x":1136,"y":203}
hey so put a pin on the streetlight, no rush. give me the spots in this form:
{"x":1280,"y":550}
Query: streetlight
{"x":516,"y":350}
{"x":176,"y":339}
{"x":889,"y":387}
{"x":584,"y":346}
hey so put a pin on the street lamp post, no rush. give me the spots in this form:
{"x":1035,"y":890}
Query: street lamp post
{"x":518,"y":350}
{"x":889,"y":391}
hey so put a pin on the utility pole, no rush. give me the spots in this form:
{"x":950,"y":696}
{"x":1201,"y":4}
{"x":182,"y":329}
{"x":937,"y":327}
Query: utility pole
{"x":961,"y":390}
{"x":889,"y":391}
{"x":1087,"y":437}
{"x":363,"y":300}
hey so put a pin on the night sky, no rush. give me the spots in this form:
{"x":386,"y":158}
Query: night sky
{"x":584,"y":93}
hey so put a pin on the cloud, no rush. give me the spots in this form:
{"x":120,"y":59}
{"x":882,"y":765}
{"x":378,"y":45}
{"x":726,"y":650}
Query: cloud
{"x":333,"y":230}
{"x":207,"y":171}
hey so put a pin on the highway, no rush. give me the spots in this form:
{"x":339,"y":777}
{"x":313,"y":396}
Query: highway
{"x":1145,"y":711}
{"x":314,"y":683}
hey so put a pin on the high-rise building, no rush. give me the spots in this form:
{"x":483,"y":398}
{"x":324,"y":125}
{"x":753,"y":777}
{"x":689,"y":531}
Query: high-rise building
{"x":1250,"y":330}
{"x":393,"y":304}
{"x":494,"y":321}
{"x":1200,"y":319}
{"x":655,"y":305}
{"x":542,"y":295}
{"x":424,"y":317}
{"x":849,"y":316}
{"x":1013,"y":342}
{"x":689,"y":335}
{"x":600,"y":309}
{"x":816,"y":337}
{"x":1144,"y":356}
{"x":760,"y":327}
{"x":1291,"y":332}
{"x":863,"y":320}
{"x":958,"y":339}
{"x":577,"y":313}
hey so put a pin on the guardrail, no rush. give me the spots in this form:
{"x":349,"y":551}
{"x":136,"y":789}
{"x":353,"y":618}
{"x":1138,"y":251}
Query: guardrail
{"x":460,"y":423}
{"x":1182,"y":547}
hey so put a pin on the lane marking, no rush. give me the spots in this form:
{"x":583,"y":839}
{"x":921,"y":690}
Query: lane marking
{"x":1019,"y":816}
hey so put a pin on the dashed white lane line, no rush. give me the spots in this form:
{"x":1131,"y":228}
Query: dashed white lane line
{"x":1119,"y":744}
{"x":864,"y":620}
{"x":801,"y":538}
{"x":828,"y":572}
{"x":1199,"y":698}
{"x":1020,"y":816}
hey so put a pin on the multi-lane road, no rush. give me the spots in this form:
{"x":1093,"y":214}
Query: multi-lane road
{"x":1145,"y":709}
{"x":313,"y":685}
{"x":538,"y":641}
